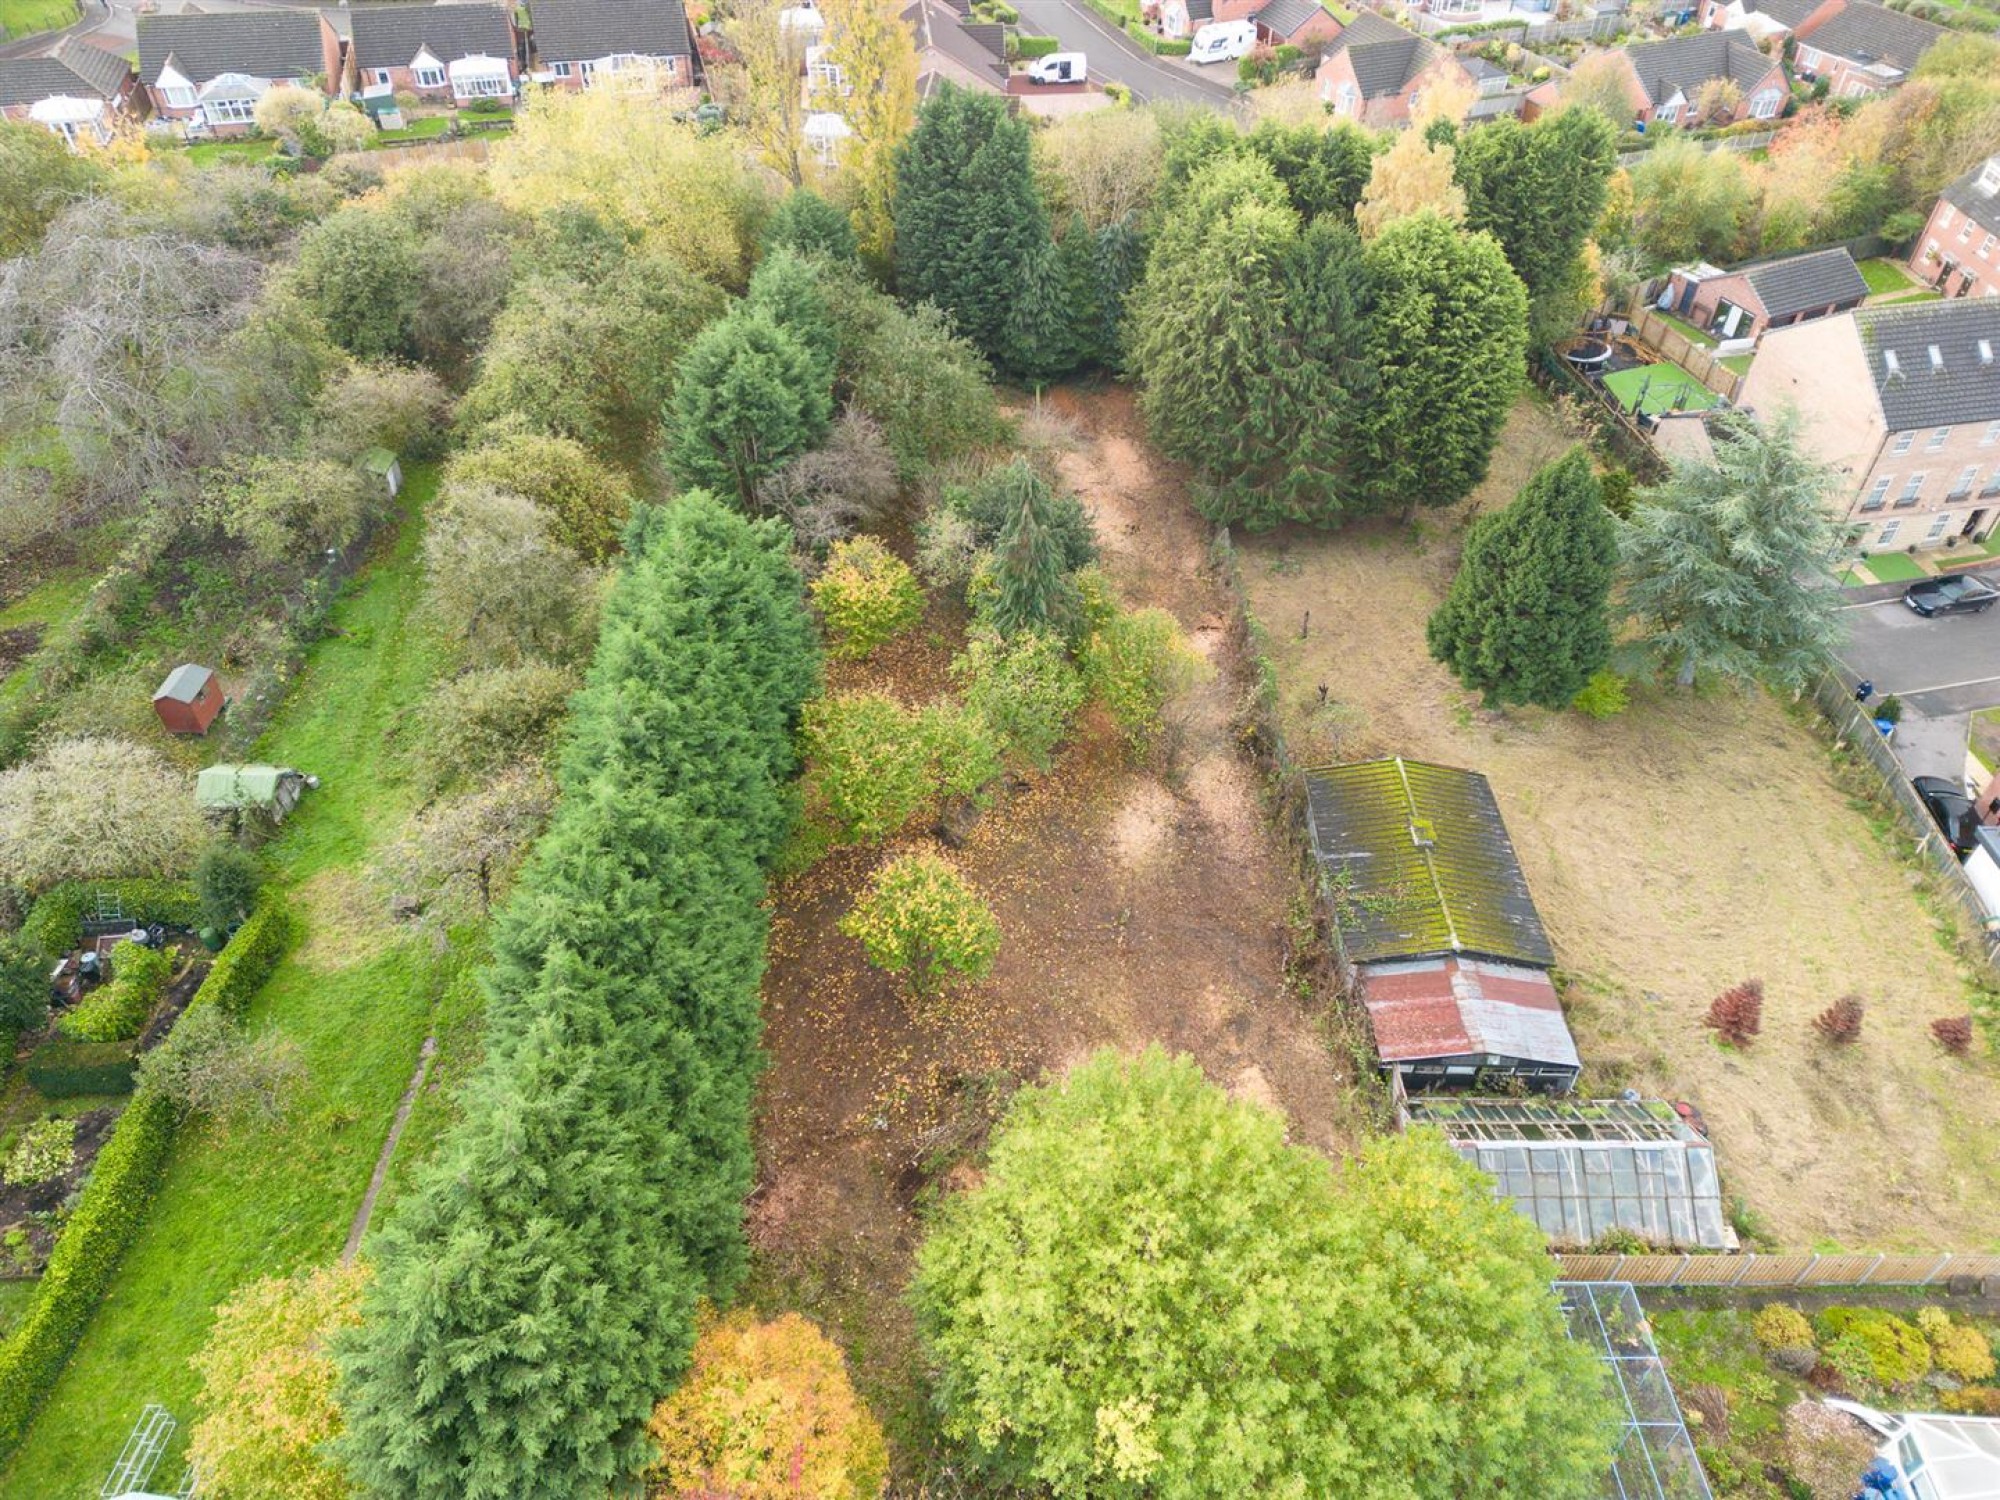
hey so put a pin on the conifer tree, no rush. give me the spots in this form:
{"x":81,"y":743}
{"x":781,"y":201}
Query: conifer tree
{"x":1121,"y":259}
{"x":1527,"y":618}
{"x":1044,"y":321}
{"x":806,"y":224}
{"x":748,"y":397}
{"x":536,"y":1289}
{"x":967,"y":214}
{"x":787,"y":288}
{"x":1447,"y":334}
{"x":1083,"y":291}
{"x":1032,"y":589}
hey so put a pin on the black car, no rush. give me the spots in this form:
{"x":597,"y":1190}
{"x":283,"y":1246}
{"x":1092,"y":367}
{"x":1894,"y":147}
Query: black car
{"x":1952,"y":809}
{"x":1962,"y":595}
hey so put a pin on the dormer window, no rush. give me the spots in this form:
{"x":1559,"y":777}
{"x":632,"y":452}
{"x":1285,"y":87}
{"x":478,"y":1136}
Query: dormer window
{"x":1989,"y":175}
{"x":1890,"y":364}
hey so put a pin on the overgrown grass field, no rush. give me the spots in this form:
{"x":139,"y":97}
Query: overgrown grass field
{"x":19,"y":18}
{"x":355,"y":996}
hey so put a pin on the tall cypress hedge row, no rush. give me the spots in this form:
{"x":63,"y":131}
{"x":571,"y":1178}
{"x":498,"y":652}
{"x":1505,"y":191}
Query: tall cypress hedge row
{"x":536,"y":1292}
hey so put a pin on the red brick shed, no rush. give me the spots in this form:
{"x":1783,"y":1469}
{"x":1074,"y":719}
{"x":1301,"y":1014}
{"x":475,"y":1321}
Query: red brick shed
{"x":189,"y":699}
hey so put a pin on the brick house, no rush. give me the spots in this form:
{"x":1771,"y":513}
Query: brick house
{"x":458,"y":53}
{"x":1959,"y":250}
{"x":1905,"y":402}
{"x":207,"y":72}
{"x":1861,"y":48}
{"x":1295,"y":23}
{"x":576,"y":41}
{"x":1376,"y":73}
{"x":1763,"y":19}
{"x":1665,"y":80}
{"x":79,"y":91}
{"x":1741,"y":304}
{"x":950,"y":49}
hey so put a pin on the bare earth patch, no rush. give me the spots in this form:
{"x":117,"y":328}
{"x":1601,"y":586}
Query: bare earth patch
{"x":1674,"y":850}
{"x":1136,"y":907}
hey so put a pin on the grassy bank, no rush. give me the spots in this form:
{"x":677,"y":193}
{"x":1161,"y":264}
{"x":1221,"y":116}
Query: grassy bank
{"x":355,"y":996}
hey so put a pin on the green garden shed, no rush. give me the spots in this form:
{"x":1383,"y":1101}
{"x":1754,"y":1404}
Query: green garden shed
{"x":271,"y":790}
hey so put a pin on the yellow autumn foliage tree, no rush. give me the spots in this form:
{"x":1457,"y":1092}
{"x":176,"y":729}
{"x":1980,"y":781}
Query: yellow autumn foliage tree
{"x":614,"y":149}
{"x":1412,"y":176}
{"x":877,"y":58}
{"x":767,"y":1412}
{"x":267,"y":1387}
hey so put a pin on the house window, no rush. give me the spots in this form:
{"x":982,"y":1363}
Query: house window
{"x":1346,"y":104}
{"x":382,"y":75}
{"x":1965,"y":231}
{"x":588,"y":69}
{"x":1416,"y":98}
{"x":1888,"y":534}
{"x":1938,"y":439}
{"x":1764,"y":105}
{"x":1666,"y":114}
{"x":1903,"y":441}
{"x":1913,"y":487}
{"x":1967,"y":477}
{"x":491,"y":86}
{"x":826,"y":76}
{"x":181,"y":97}
{"x":230,"y":111}
{"x":1992,"y":435}
{"x":1992,"y":482}
{"x":562,"y":70}
{"x":1939,"y":526}
{"x":1986,"y":247}
{"x":430,"y":78}
{"x":1944,"y":216}
{"x":1878,"y":492}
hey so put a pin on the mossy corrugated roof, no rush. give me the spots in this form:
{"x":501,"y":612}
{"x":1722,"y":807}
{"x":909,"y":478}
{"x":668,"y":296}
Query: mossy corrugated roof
{"x":1418,"y":863}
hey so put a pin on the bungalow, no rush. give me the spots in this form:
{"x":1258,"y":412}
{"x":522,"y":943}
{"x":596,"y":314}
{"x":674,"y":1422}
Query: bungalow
{"x":1959,"y":250}
{"x":1376,"y":72}
{"x":1295,"y":23}
{"x":456,"y":52}
{"x":1706,"y":78}
{"x":207,"y":72}
{"x":1764,"y":19}
{"x":952,"y":50}
{"x":1435,"y":927}
{"x":1861,"y":48}
{"x":577,"y":41}
{"x":1741,"y":304}
{"x":1904,"y":402}
{"x":79,"y":91}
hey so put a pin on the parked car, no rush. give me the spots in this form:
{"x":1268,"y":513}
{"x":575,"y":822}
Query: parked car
{"x":1953,"y":810}
{"x":1058,"y":67}
{"x":1223,"y":41}
{"x":1963,"y":595}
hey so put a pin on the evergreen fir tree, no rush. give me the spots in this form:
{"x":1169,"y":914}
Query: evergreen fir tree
{"x":806,"y":224}
{"x":1032,"y":589}
{"x":1527,"y":618}
{"x":1121,"y":259}
{"x":749,"y":397}
{"x":1083,"y":290}
{"x":1044,"y":322}
{"x":967,"y":215}
{"x":1539,"y":190}
{"x":787,"y":287}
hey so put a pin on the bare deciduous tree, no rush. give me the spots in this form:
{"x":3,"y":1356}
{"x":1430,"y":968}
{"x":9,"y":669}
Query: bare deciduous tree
{"x":456,"y":856}
{"x":837,"y":488}
{"x":96,"y":808}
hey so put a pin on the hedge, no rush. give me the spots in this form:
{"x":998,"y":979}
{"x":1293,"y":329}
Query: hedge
{"x":1037,"y":46}
{"x":64,"y":1070}
{"x":1159,"y":46}
{"x":115,"y":1199}
{"x":118,"y":1011}
{"x":56,"y":923}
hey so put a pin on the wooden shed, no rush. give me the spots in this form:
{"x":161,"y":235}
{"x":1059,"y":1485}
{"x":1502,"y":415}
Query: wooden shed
{"x":189,"y":699}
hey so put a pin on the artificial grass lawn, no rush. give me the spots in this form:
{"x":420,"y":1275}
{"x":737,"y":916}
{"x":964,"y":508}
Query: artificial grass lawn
{"x":265,"y":1200}
{"x":1894,"y":567}
{"x":1662,"y":387}
{"x":19,"y":18}
{"x":1885,"y":276}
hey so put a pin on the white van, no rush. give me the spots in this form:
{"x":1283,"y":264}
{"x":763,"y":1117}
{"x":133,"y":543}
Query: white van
{"x":1057,"y":67}
{"x":1223,"y":41}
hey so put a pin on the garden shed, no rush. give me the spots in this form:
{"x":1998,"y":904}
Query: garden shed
{"x":385,"y":469}
{"x":271,"y":790}
{"x":1435,"y":926}
{"x":1586,"y":1169}
{"x":188,"y":701}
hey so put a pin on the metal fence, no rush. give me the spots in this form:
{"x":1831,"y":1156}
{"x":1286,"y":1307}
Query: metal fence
{"x":1749,"y":140}
{"x":1836,"y":702}
{"x":1791,"y":1269}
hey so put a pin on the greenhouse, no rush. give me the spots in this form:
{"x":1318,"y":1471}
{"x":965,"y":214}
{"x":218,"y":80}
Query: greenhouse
{"x":1655,"y":1458}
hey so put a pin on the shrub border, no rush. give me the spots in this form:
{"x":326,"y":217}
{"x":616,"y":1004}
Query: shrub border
{"x":117,"y":1196}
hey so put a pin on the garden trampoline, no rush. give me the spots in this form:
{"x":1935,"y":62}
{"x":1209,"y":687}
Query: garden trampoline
{"x":1651,"y":389}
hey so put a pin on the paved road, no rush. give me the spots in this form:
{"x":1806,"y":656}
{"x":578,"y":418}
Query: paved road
{"x":1116,"y":58}
{"x":1946,"y":666}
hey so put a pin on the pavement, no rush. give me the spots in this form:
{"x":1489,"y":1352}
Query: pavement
{"x":1113,"y":57}
{"x":1937,"y":667}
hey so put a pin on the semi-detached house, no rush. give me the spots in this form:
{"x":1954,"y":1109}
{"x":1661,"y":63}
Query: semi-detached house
{"x":207,"y":72}
{"x":1904,"y":401}
{"x":577,"y":42}
{"x":1707,"y":78}
{"x":79,"y":91}
{"x":1959,"y":250}
{"x":459,"y":53}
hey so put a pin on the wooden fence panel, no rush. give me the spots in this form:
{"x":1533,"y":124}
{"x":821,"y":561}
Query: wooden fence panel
{"x":1797,"y":1269}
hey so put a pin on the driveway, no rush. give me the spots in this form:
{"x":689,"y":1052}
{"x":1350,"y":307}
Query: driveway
{"x":1944,"y":666}
{"x":1115,"y":58}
